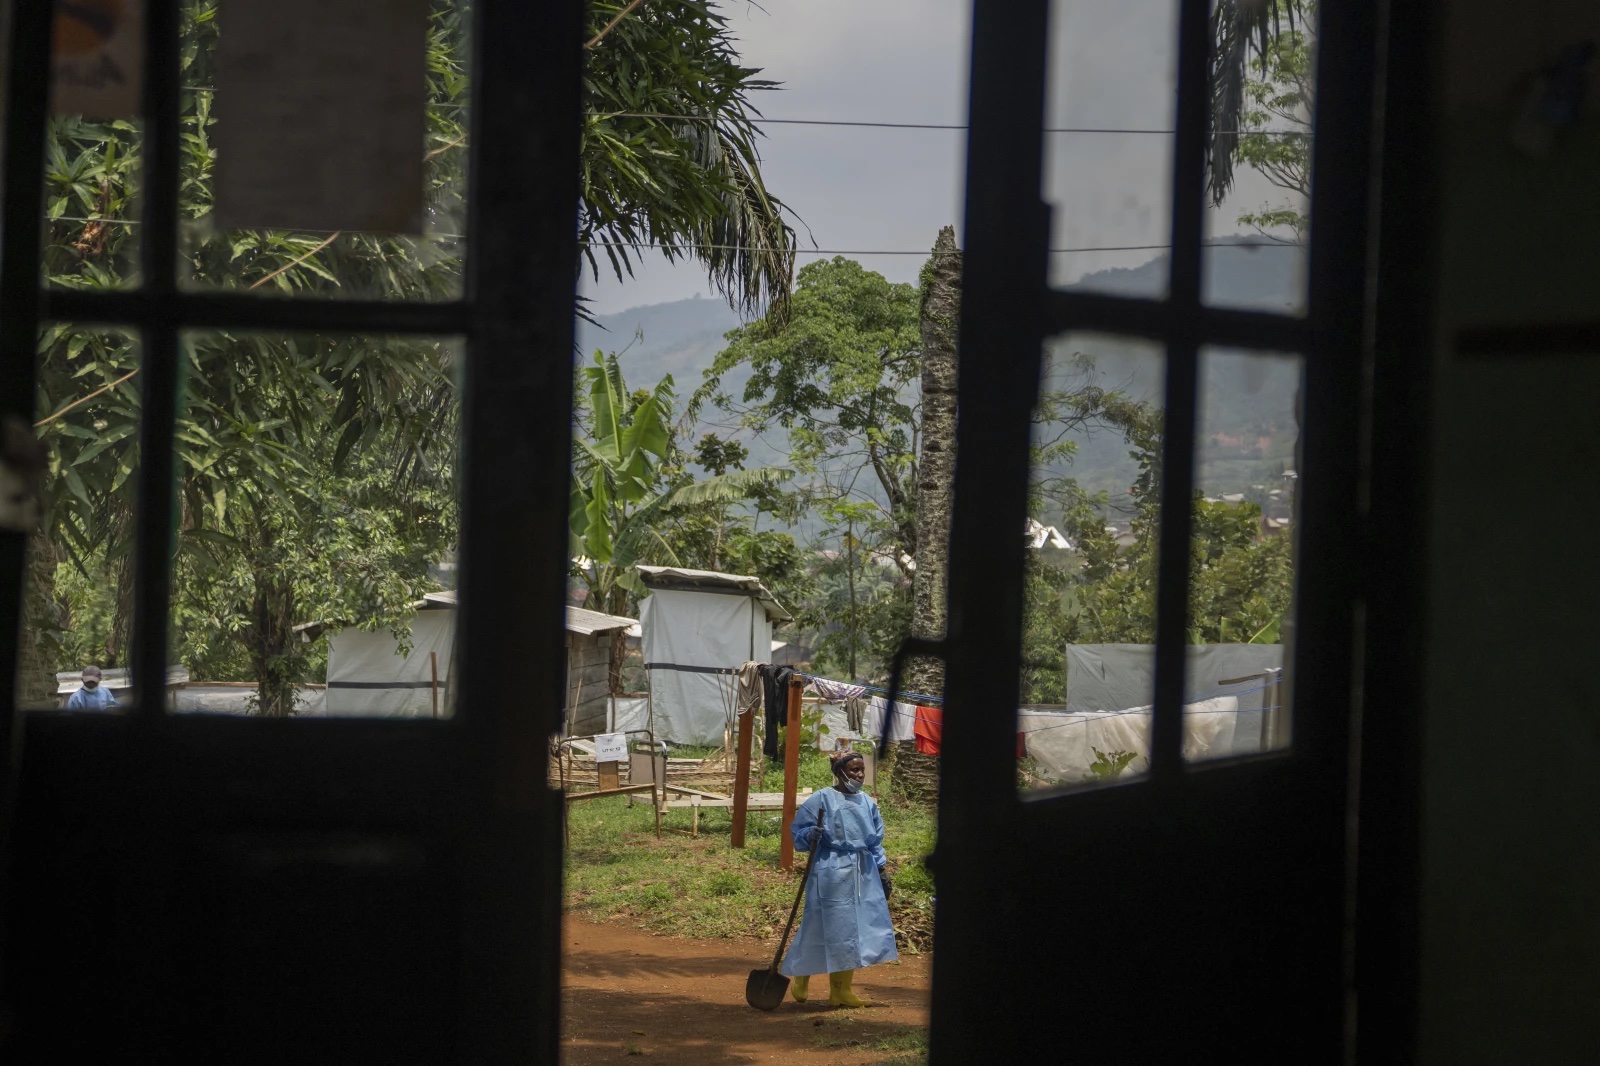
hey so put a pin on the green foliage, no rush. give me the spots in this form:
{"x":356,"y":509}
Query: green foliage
{"x":634,"y":503}
{"x":1275,"y":121}
{"x":315,"y":470}
{"x":1241,"y":581}
{"x":701,"y":887}
{"x":1108,"y":766}
{"x":839,"y":370}
{"x":669,"y":156}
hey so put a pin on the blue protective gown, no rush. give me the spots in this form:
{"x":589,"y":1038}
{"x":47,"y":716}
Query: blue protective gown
{"x":846,"y":921}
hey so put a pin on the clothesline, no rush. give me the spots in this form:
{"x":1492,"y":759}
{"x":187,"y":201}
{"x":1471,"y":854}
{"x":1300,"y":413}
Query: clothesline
{"x":917,"y":698}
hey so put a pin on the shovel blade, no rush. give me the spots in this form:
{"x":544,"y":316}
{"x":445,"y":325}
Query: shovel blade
{"x":764,"y":989}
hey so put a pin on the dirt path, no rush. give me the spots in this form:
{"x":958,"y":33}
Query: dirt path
{"x":681,"y":1001}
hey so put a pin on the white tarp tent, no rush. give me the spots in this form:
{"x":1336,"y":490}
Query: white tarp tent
{"x":1062,"y":743}
{"x":369,"y":677}
{"x":1112,"y":677}
{"x":699,"y":627}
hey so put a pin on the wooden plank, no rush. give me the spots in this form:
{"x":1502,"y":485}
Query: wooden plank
{"x":741,"y":777}
{"x":791,"y":774}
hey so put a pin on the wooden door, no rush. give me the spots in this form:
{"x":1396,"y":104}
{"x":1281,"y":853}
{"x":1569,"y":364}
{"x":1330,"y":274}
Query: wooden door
{"x":250,"y":890}
{"x":1198,"y":913}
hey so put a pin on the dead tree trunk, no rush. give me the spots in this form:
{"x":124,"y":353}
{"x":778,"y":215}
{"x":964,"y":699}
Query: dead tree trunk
{"x":916,"y":776}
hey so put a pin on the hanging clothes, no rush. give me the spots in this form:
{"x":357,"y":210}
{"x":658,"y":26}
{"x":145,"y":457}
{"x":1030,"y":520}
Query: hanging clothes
{"x":846,"y":921}
{"x":855,"y":714}
{"x":751,"y":689}
{"x":775,"y":681}
{"x":837,"y":691}
{"x":929,"y":729}
{"x":900,"y":719}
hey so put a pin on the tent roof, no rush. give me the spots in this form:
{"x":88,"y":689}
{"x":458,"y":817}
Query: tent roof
{"x":579,"y":620}
{"x":674,"y":577}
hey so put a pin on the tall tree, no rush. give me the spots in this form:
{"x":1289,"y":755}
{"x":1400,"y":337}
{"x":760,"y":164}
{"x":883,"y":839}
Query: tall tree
{"x":939,"y":313}
{"x":839,"y":372}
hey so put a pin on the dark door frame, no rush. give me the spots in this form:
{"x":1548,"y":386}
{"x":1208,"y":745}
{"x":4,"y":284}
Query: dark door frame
{"x":464,"y":799}
{"x":1149,"y":862}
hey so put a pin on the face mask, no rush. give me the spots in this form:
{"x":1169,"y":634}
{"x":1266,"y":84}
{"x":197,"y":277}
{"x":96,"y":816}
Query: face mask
{"x":849,"y":786}
{"x":91,"y":685}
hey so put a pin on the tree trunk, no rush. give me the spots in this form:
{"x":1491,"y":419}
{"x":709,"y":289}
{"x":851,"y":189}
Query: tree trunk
{"x":914,"y":776}
{"x":36,"y":673}
{"x":275,"y":660}
{"x":272,"y":651}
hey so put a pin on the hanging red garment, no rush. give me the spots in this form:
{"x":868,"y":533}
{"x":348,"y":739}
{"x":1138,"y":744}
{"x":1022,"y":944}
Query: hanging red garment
{"x":929,"y":728}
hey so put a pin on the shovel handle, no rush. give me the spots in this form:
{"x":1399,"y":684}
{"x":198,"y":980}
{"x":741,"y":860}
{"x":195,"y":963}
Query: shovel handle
{"x":811,"y":853}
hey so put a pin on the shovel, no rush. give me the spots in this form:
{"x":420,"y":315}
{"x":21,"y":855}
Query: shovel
{"x":764,"y":989}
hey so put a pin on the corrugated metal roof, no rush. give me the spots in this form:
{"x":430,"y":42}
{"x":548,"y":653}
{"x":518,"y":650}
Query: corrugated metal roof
{"x":589,"y":622}
{"x":579,"y":619}
{"x":677,"y":577}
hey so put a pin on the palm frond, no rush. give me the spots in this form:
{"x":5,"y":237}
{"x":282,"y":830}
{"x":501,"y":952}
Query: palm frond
{"x":731,"y":487}
{"x":1239,"y":28}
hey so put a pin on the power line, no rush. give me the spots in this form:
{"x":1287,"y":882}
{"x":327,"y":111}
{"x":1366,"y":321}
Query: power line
{"x":659,"y":246}
{"x":864,"y":124}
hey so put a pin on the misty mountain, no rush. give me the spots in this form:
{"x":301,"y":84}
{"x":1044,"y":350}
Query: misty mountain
{"x":1247,"y":404}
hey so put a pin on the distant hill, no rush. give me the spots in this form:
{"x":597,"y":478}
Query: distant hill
{"x":1247,"y":402}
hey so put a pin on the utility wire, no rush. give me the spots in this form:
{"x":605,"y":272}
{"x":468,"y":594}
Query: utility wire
{"x":656,"y":245}
{"x":865,"y":124}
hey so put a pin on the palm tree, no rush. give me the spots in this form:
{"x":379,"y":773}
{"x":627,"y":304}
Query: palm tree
{"x":622,"y":493}
{"x":1239,"y":28}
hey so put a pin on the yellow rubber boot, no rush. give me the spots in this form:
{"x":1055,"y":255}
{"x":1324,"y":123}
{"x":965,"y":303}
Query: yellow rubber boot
{"x":839,"y":993}
{"x":798,"y":987}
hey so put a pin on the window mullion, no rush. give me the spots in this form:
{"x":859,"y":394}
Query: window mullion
{"x":1177,"y":457}
{"x":155,"y":512}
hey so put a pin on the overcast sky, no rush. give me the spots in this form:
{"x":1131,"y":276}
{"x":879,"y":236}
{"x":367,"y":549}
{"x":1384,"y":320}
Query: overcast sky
{"x":873,"y":190}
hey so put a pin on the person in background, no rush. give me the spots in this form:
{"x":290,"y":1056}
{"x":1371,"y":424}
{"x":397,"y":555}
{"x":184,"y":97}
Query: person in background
{"x":93,"y":696}
{"x":846,"y":922}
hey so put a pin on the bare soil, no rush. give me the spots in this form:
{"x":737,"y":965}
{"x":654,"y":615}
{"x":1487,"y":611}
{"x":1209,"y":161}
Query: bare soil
{"x":673,"y":1000}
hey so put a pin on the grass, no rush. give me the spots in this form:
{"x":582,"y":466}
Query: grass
{"x":907,"y":1045}
{"x":701,"y":887}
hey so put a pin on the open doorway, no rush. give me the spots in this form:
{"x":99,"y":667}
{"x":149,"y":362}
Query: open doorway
{"x":466,"y":604}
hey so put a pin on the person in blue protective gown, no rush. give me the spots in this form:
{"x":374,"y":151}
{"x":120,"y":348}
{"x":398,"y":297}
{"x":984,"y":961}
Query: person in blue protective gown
{"x":846,"y":921}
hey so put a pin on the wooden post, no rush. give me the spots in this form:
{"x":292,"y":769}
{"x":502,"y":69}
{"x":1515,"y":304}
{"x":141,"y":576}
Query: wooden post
{"x":433,"y":667}
{"x":741,"y":777}
{"x":791,"y":773}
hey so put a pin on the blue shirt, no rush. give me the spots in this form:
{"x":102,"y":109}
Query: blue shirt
{"x":98,"y":698}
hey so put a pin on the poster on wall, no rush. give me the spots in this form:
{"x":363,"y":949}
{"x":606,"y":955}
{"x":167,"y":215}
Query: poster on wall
{"x":320,"y":110}
{"x":97,"y":58}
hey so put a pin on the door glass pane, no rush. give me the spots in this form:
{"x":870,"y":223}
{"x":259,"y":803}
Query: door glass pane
{"x":315,"y":572}
{"x":1260,"y":200}
{"x":1089,"y":600}
{"x":78,"y":589}
{"x":1111,"y":105}
{"x":325,"y":262}
{"x":1242,"y":581}
{"x":92,"y":182}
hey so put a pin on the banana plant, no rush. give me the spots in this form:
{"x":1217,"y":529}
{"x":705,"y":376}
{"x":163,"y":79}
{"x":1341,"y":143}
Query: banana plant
{"x":622,"y":488}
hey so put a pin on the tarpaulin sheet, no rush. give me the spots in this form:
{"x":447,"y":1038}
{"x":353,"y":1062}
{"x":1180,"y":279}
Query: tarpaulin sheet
{"x":1062,"y":743}
{"x":369,"y":678}
{"x":1110,"y":677}
{"x":693,"y":641}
